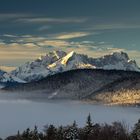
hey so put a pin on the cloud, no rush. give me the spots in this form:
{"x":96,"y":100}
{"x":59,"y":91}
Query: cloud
{"x":7,"y":68}
{"x":56,"y":43}
{"x":113,"y":26}
{"x":12,"y":16}
{"x":28,"y":47}
{"x":36,"y":39}
{"x":44,"y":28}
{"x":51,"y":20}
{"x":28,"y":39}
{"x":13,"y":52}
{"x":71,"y":35}
{"x":9,"y":35}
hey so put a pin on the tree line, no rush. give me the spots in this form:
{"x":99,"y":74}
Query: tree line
{"x":91,"y":131}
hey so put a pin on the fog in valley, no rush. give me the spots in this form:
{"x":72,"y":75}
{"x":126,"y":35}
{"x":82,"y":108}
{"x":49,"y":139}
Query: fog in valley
{"x":19,"y":111}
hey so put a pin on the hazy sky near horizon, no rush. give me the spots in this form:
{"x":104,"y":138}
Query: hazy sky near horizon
{"x":30,"y":28}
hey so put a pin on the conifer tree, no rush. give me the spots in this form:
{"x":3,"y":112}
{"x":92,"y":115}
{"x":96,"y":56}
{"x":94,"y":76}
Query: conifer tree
{"x":136,"y":131}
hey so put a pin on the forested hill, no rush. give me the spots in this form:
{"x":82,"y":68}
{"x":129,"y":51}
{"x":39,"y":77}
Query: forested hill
{"x":83,"y":84}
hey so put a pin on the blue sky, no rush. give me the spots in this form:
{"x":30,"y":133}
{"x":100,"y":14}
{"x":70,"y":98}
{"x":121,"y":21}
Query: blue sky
{"x":30,"y":28}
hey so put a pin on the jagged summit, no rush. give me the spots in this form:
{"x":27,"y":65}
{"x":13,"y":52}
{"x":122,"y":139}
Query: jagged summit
{"x":71,"y":61}
{"x":118,"y":61}
{"x":67,"y":57}
{"x":7,"y":77}
{"x":52,"y":57}
{"x":57,"y":54}
{"x":60,"y":61}
{"x":120,"y":54}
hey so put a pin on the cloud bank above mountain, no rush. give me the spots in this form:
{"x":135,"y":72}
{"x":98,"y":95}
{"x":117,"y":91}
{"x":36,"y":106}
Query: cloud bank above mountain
{"x":96,"y":28}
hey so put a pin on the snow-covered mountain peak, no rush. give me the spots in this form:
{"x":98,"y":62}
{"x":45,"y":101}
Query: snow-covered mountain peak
{"x":7,"y":77}
{"x":117,"y":61}
{"x":67,"y":57}
{"x":39,"y":68}
{"x":120,"y":55}
{"x":57,"y":54}
{"x":71,"y":61}
{"x":60,"y":61}
{"x":52,"y":57}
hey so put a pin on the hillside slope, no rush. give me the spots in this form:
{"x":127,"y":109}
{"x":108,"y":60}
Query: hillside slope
{"x":82,"y":84}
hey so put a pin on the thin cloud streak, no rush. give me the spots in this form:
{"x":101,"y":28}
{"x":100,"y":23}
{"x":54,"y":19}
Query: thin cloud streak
{"x":12,"y":16}
{"x":113,"y":26}
{"x":37,"y":20}
{"x":71,"y":35}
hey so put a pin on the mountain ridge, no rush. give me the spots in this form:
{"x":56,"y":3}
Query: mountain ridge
{"x":85,"y":84}
{"x":60,"y":61}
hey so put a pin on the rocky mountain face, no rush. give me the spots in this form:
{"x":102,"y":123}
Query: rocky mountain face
{"x":85,"y":84}
{"x":2,"y":72}
{"x":33,"y":71}
{"x":59,"y":61}
{"x":7,"y":78}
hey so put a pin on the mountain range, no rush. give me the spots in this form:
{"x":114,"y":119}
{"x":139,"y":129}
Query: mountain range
{"x":61,"y":75}
{"x":59,"y":61}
